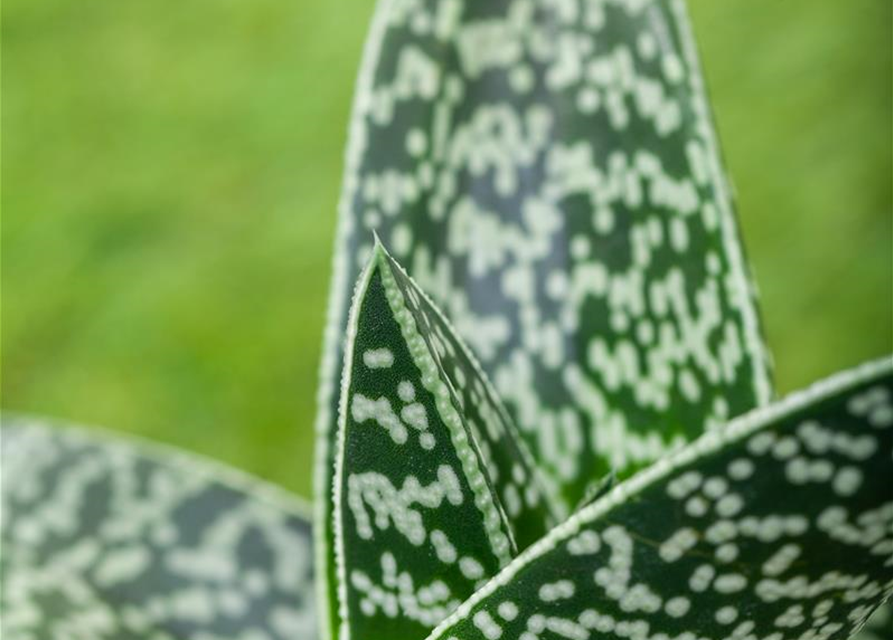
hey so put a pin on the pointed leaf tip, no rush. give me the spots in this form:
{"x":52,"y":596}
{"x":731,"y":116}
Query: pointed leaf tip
{"x":430,"y":487}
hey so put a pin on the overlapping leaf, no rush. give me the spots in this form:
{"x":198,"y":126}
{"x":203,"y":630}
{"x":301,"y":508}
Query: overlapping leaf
{"x":104,"y":538}
{"x":505,"y":456}
{"x":548,"y":172}
{"x":779,"y":527}
{"x":433,"y":493}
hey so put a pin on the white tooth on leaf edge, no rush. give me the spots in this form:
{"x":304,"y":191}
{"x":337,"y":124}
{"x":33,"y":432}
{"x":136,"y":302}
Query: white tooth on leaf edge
{"x":433,"y":489}
{"x":807,"y":561}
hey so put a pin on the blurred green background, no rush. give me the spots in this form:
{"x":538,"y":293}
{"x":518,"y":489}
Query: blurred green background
{"x":171,"y":171}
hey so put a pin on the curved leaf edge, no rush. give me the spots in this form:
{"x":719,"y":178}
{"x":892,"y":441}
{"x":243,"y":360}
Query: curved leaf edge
{"x":168,"y":455}
{"x":493,"y":515}
{"x":329,"y":366}
{"x":554,"y":503}
{"x":755,"y":339}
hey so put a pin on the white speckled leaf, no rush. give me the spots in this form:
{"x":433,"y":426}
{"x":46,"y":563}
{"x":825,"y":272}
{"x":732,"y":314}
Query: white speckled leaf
{"x":433,"y":494}
{"x":108,"y":538}
{"x":548,"y":172}
{"x":508,"y":462}
{"x":778,"y":527}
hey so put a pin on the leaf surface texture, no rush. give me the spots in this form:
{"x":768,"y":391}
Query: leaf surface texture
{"x":780,"y":526}
{"x":109,"y":538}
{"x":433,"y":491}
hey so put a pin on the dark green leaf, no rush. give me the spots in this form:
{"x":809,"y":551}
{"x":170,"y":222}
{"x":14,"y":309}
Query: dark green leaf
{"x":548,"y":172}
{"x":433,"y":493}
{"x":780,"y":526}
{"x":108,"y":538}
{"x":507,"y":460}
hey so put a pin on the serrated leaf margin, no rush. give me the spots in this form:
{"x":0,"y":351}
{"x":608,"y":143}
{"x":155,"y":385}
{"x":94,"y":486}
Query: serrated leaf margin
{"x":493,"y":515}
{"x":710,"y":442}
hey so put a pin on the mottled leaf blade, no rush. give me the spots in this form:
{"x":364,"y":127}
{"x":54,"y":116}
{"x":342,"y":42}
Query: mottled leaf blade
{"x":104,"y":537}
{"x":521,"y":487}
{"x":780,"y":526}
{"x":419,"y":519}
{"x":549,"y":173}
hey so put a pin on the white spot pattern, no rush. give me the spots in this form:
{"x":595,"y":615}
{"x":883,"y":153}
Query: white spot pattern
{"x":421,"y":522}
{"x":106,"y":538}
{"x":795,"y":565}
{"x":548,"y":171}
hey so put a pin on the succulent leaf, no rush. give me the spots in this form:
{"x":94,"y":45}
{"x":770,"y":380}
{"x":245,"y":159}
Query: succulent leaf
{"x":433,"y":493}
{"x":779,"y":526}
{"x":104,"y":537}
{"x":508,"y":461}
{"x":549,"y":173}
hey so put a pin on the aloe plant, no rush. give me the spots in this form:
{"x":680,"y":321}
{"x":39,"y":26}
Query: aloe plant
{"x":561,"y":425}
